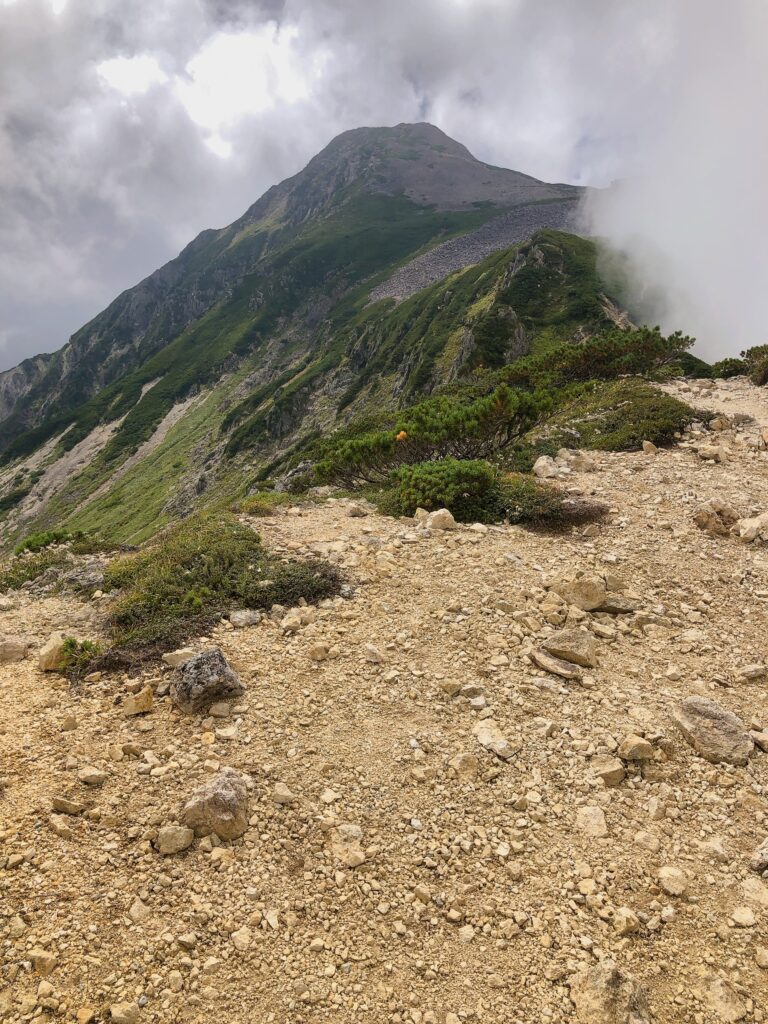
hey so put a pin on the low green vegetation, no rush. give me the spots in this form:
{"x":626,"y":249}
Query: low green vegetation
{"x":263,"y":503}
{"x":78,"y":542}
{"x":27,"y":568}
{"x":201,"y":568}
{"x":78,"y":657}
{"x":617,"y":416}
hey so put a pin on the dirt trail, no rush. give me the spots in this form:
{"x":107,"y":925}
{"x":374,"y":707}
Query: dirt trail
{"x":487,"y":885}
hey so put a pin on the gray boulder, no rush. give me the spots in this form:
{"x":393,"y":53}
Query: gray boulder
{"x":203,"y":680}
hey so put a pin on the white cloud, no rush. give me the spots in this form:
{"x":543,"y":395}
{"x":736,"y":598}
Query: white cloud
{"x":132,"y":75}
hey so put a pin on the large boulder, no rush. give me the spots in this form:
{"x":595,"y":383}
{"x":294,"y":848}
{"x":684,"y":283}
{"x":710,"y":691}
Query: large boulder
{"x":573,"y":645}
{"x":203,"y":680}
{"x":605,"y":995}
{"x":220,"y":806}
{"x":715,"y":733}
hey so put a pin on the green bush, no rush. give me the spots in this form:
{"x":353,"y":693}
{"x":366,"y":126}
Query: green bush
{"x":729,"y":368}
{"x":79,"y":543}
{"x":757,"y":364}
{"x":198,"y":570}
{"x":619,"y":416}
{"x":440,"y":427}
{"x":468,"y":489}
{"x":476,"y":492}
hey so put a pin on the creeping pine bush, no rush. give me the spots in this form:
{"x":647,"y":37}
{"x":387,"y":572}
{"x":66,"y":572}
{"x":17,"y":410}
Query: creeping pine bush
{"x":619,"y":416}
{"x":437,"y":428}
{"x":201,"y":568}
{"x":475,"y":491}
{"x":757,"y":364}
{"x":729,"y":368}
{"x":25,"y":568}
{"x":609,"y":354}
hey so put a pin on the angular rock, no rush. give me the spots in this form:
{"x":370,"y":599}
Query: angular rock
{"x":586,"y":592}
{"x":650,"y":448}
{"x":759,"y":859}
{"x":715,"y":517}
{"x":52,"y":653}
{"x":12,"y":650}
{"x":672,"y":880}
{"x":721,"y":998}
{"x":92,"y":776}
{"x":441,"y":519}
{"x":573,"y":645}
{"x":715,"y":733}
{"x":138,"y":703}
{"x":490,"y":736}
{"x":124,"y":1013}
{"x":173,"y":839}
{"x":62,"y":805}
{"x":609,"y":769}
{"x":605,"y":995}
{"x":750,"y":530}
{"x":635,"y":748}
{"x":220,"y":807}
{"x":356,"y":511}
{"x":345,"y":844}
{"x":177,"y":658}
{"x":244,"y":617}
{"x":465,"y":765}
{"x":281,"y":794}
{"x":591,"y":821}
{"x":544,"y":468}
{"x":203,"y":680}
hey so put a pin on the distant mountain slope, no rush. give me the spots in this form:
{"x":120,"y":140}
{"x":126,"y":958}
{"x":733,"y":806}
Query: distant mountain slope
{"x":434,"y":183}
{"x":259,"y":333}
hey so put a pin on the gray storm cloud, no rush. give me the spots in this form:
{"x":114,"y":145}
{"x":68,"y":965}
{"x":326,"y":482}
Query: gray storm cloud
{"x":103,"y":177}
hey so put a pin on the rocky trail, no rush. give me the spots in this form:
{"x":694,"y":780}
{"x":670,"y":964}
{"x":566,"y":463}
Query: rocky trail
{"x":511,"y":778}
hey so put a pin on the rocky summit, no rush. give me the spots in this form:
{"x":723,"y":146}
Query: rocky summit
{"x":497,"y":774}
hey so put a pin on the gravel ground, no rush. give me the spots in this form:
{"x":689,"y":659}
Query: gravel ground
{"x":477,"y":888}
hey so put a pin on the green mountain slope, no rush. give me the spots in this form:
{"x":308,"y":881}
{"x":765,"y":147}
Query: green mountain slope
{"x":261,"y":334}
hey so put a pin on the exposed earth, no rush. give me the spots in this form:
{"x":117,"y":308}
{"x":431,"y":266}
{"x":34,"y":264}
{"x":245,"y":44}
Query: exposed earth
{"x":439,"y":829}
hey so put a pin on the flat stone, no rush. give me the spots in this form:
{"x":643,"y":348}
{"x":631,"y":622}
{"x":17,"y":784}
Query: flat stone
{"x":12,"y":650}
{"x":591,"y":821}
{"x":608,"y":768}
{"x":489,"y":735}
{"x":138,"y":703}
{"x":556,"y":666}
{"x":715,"y":733}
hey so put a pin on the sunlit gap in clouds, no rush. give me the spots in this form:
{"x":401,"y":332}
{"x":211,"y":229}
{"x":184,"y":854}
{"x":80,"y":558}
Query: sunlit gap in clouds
{"x":233,"y":76}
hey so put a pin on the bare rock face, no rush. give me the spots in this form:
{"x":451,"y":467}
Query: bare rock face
{"x":574,"y":645}
{"x":715,"y":733}
{"x":605,"y":995}
{"x":220,"y":806}
{"x":203,"y":680}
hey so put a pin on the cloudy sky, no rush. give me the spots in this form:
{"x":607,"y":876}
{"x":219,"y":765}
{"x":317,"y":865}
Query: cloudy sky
{"x":127,"y":126}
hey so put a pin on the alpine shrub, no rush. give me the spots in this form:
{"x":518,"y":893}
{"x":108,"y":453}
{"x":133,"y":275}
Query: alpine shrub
{"x":729,"y":368}
{"x":437,"y":428}
{"x":204,"y":566}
